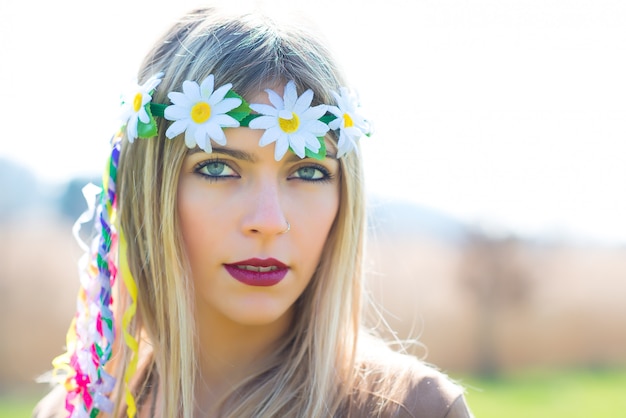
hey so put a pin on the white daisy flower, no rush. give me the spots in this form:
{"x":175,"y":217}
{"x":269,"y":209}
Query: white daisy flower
{"x":352,"y":126}
{"x":290,"y":122}
{"x":200,"y":112}
{"x":134,"y":103}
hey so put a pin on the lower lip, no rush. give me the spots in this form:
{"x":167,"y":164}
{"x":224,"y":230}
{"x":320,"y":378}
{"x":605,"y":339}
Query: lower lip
{"x":256,"y":278}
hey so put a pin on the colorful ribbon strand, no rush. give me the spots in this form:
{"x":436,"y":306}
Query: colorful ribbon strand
{"x":91,"y":335}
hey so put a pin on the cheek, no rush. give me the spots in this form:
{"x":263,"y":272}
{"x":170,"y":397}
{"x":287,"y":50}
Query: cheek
{"x":201,"y":224}
{"x":316,"y":219}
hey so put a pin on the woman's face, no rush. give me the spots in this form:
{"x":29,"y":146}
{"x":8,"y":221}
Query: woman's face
{"x":234,"y":206}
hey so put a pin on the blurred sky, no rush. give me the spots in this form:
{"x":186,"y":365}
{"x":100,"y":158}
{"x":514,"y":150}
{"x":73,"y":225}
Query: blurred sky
{"x":507,"y":113}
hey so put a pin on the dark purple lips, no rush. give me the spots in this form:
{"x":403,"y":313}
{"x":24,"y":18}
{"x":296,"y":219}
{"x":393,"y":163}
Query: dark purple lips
{"x":258,"y":272}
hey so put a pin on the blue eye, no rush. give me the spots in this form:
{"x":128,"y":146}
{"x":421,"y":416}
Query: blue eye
{"x":312,"y":173}
{"x":215,"y":169}
{"x":309,"y":173}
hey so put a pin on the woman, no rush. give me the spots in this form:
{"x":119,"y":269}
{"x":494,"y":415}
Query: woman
{"x":234,"y":213}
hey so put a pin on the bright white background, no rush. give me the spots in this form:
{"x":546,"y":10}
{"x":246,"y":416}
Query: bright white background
{"x":508,"y":113}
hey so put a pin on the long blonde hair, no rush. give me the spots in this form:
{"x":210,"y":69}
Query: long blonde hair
{"x":312,"y":373}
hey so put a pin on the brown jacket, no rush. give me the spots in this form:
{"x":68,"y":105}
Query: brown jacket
{"x":401,"y":386}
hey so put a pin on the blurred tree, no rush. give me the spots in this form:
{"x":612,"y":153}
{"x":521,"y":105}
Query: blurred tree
{"x":493,"y":272}
{"x":72,"y":203}
{"x":19,"y":187}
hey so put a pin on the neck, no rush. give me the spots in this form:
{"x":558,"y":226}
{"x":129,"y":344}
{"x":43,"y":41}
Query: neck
{"x":230,"y":352}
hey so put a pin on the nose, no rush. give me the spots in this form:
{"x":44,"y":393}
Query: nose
{"x":265,"y":215}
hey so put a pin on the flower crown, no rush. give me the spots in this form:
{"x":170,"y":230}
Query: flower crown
{"x":202,"y":112}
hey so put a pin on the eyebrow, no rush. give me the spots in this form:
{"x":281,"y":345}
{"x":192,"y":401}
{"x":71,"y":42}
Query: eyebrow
{"x":246,"y":156}
{"x":234,"y":153}
{"x":293,"y":157}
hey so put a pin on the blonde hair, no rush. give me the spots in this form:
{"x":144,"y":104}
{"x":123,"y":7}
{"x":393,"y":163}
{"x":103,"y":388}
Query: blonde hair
{"x":312,"y":374}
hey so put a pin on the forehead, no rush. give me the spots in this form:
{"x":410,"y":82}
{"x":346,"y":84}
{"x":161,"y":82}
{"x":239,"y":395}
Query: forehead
{"x":261,"y":96}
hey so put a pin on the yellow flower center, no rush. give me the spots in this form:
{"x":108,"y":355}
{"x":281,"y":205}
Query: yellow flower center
{"x":289,"y":125}
{"x":137,"y":102}
{"x":347,"y":121}
{"x":200,"y":112}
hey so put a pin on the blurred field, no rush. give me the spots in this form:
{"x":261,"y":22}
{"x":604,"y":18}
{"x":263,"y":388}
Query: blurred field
{"x":38,"y":287}
{"x":19,"y":407}
{"x":503,"y":306}
{"x":571,"y":394}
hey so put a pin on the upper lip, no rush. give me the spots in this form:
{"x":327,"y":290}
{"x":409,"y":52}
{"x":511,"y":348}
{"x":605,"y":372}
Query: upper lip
{"x":260,"y":262}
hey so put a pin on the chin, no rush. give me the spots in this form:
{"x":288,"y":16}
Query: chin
{"x":260,"y":312}
{"x":262,"y":317}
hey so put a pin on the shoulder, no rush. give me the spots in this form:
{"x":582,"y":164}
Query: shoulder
{"x":52,"y":405}
{"x":391,"y":384}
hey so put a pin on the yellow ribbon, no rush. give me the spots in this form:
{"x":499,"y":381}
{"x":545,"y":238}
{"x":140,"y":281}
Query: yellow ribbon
{"x":131,"y":342}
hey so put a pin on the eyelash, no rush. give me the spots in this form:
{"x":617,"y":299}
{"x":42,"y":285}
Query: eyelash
{"x":326,"y":174}
{"x":204,"y":164}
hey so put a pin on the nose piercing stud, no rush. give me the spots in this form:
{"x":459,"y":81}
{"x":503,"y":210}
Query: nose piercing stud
{"x":288,"y":228}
